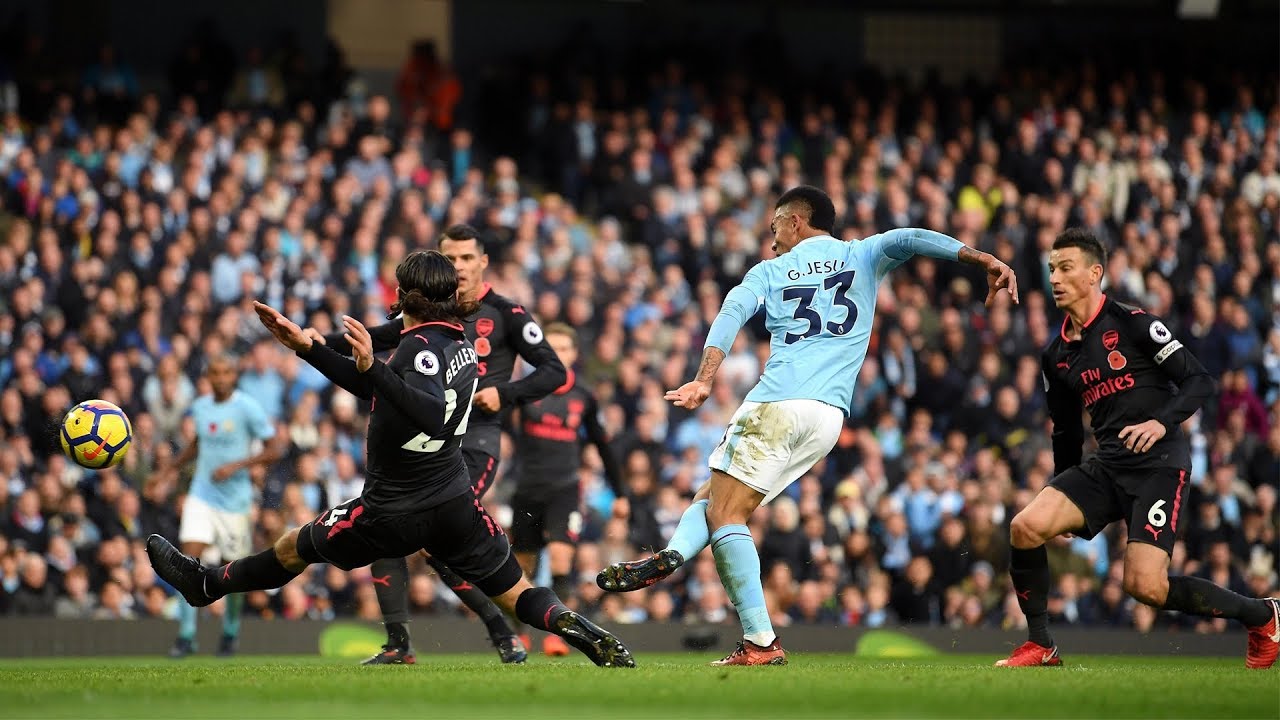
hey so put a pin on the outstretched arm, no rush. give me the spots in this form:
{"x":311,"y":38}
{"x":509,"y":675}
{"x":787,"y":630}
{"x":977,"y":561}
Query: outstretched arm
{"x":739,"y":305}
{"x":902,"y":244}
{"x":385,"y":337}
{"x":337,"y":368}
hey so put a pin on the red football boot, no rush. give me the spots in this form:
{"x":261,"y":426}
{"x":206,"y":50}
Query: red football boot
{"x":1264,"y":641}
{"x":749,"y":653}
{"x":1030,"y":654}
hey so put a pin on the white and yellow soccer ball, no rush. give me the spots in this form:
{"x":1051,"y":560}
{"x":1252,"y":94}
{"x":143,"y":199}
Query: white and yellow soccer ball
{"x":96,"y":434}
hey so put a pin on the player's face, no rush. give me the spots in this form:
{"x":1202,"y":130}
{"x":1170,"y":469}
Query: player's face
{"x":1072,"y":275}
{"x":468,"y":261}
{"x":564,"y":348}
{"x":222,"y":378}
{"x":785,"y":227}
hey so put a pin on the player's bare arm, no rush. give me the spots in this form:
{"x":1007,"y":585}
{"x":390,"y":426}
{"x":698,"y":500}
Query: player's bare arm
{"x":274,"y":450}
{"x":999,"y":275}
{"x":692,"y":394}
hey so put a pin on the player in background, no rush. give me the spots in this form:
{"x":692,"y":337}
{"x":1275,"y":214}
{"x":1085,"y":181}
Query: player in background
{"x":819,"y":297}
{"x":1122,"y":365}
{"x":501,"y":331}
{"x":215,"y":515}
{"x":547,"y":505}
{"x":417,"y":494}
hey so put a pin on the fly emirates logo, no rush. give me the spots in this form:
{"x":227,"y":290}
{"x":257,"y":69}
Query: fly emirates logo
{"x":1095,"y":388}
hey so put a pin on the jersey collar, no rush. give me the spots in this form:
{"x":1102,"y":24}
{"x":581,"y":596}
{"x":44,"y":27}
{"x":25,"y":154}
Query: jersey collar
{"x":812,"y":237}
{"x":1096,"y":312}
{"x":484,"y":290}
{"x":451,"y":326}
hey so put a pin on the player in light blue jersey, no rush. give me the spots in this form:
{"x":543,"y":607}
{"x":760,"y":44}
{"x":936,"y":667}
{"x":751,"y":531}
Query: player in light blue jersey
{"x":215,"y":514}
{"x":819,"y":296}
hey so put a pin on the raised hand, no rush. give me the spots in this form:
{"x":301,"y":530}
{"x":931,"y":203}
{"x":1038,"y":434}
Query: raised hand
{"x":285,"y":330}
{"x":361,"y":342}
{"x":1000,"y":277}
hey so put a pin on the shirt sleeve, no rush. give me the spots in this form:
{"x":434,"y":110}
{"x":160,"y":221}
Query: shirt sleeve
{"x":260,"y":426}
{"x":525,"y":336}
{"x":1195,"y":385}
{"x":900,"y":245}
{"x":742,"y":302}
{"x":340,"y":370}
{"x":417,"y":391}
{"x":1065,"y":409}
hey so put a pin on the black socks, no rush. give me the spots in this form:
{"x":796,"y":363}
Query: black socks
{"x":1029,"y":570}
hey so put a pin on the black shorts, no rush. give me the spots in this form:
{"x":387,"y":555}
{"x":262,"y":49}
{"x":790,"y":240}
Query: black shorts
{"x":481,"y":468}
{"x":545,"y":516}
{"x":1150,"y":499}
{"x":458,"y":532}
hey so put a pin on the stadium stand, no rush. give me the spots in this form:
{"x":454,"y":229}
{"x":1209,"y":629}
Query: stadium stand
{"x":136,"y":226}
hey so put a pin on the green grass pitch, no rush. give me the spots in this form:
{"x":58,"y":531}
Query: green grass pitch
{"x":664,"y":686}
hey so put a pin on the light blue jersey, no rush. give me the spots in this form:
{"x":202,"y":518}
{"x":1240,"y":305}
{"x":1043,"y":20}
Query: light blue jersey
{"x":819,"y":301}
{"x":226,"y":431}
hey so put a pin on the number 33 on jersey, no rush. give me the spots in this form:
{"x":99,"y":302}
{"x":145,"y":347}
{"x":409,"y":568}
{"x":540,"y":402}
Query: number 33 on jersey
{"x":819,"y":301}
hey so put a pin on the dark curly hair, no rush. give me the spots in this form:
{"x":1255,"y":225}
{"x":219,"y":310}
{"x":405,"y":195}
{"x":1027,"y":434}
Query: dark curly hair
{"x":428,"y":289}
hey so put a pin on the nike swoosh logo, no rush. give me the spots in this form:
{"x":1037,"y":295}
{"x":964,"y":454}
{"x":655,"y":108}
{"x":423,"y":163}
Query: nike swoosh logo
{"x":96,"y":451}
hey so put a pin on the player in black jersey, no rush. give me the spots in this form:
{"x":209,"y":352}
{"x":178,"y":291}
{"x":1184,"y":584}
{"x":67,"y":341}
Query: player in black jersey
{"x":501,"y":330}
{"x":1138,"y":383}
{"x":547,"y":506}
{"x":416,"y":494}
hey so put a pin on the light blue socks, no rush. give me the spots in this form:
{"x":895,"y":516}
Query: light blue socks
{"x":186,"y":620}
{"x":231,"y":615}
{"x":739,"y":566}
{"x":692,"y":534}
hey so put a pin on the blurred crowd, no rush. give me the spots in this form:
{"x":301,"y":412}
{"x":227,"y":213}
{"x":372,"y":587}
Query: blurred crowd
{"x":136,"y":227}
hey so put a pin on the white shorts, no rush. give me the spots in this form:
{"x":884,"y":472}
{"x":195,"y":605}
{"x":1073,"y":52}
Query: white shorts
{"x":770,"y":445}
{"x":227,"y":534}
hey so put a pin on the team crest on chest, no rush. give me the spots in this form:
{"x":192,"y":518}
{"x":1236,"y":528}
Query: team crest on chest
{"x":484,"y":327}
{"x":1110,"y":339}
{"x":1116,"y":360}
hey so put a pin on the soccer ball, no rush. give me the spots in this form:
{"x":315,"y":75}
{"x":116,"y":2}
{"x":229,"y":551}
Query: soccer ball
{"x":96,"y":434}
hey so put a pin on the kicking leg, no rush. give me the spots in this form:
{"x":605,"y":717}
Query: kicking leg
{"x":738,"y":563}
{"x":689,"y":539}
{"x":201,"y":586}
